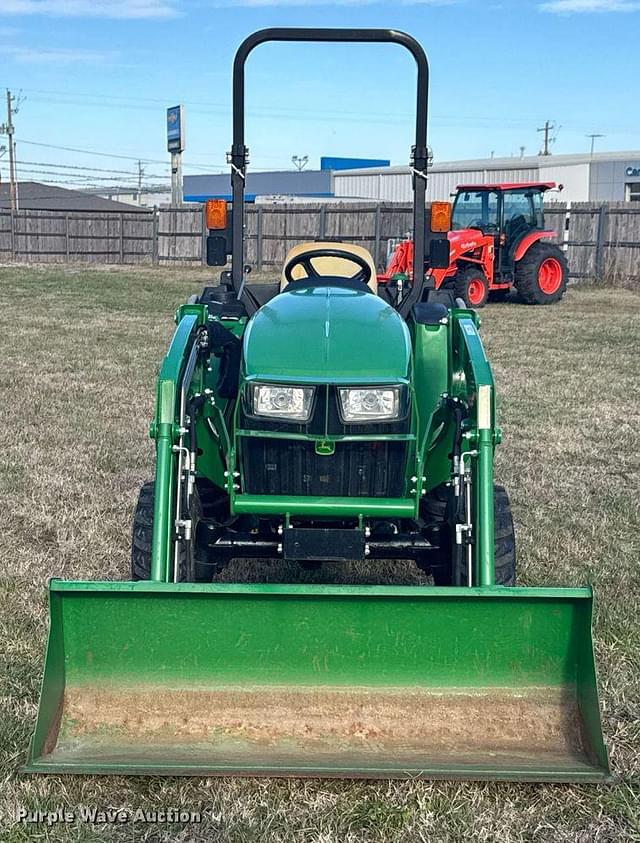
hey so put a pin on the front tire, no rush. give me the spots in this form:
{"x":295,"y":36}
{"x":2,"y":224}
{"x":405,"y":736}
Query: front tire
{"x":190,"y":570}
{"x":471,"y":286}
{"x":438,"y":507}
{"x":541,"y":275}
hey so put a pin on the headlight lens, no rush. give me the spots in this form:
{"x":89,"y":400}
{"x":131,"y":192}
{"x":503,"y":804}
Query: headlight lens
{"x":370,"y":404}
{"x":282,"y":402}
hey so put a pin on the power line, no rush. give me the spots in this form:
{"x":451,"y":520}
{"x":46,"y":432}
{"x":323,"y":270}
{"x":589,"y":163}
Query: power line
{"x":135,"y":158}
{"x":133,"y":179}
{"x":75,"y":167}
{"x":86,"y":172}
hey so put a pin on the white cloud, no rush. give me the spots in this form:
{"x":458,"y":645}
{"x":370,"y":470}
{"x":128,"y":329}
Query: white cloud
{"x":54,"y":55}
{"x":568,"y":7}
{"x":86,"y":8}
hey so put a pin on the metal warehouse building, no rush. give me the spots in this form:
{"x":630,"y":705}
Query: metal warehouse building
{"x":604,"y":176}
{"x":313,"y":184}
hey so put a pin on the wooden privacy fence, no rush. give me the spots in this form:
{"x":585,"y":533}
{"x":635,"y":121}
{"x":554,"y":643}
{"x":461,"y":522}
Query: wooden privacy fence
{"x":147,"y":237}
{"x":601,"y":240}
{"x":271,"y":230}
{"x":58,"y":236}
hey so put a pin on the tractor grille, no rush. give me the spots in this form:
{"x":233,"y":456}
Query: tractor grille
{"x":281,"y":467}
{"x":292,"y":467}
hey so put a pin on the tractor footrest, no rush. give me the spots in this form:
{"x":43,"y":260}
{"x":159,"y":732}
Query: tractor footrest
{"x":322,"y":544}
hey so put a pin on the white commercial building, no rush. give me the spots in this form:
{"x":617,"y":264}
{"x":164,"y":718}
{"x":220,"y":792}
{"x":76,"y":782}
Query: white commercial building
{"x":148,"y":197}
{"x":604,"y":176}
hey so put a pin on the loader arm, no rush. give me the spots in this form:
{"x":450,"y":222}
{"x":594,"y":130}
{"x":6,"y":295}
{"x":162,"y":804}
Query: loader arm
{"x":176,"y":374}
{"x":469,"y":379}
{"x":481,"y":437}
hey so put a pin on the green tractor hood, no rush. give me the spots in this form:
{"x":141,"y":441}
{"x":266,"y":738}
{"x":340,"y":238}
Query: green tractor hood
{"x":327,"y":334}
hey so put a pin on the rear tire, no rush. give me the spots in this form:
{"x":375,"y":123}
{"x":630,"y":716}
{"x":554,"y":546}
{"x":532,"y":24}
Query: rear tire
{"x":190,"y":569}
{"x":541,"y":275}
{"x":437,"y":508}
{"x":471,"y":286}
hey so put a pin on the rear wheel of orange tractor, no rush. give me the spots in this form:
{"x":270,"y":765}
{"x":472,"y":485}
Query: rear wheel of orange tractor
{"x":542,"y":274}
{"x":471,"y":286}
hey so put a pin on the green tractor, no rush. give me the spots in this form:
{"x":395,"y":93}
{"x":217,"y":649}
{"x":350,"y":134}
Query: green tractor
{"x":322,"y":418}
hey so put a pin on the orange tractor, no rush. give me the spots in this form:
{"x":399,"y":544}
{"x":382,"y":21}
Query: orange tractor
{"x":497,"y":241}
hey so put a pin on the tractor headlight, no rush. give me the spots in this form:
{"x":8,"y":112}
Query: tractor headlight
{"x":370,"y":404}
{"x":282,"y":402}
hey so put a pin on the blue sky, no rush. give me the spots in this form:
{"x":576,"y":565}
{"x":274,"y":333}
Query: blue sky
{"x":98,"y":75}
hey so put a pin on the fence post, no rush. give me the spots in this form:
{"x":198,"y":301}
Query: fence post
{"x":121,"y":239}
{"x":376,"y":246}
{"x":600,"y":242}
{"x":565,"y":230}
{"x":155,"y":249}
{"x":259,"y":239}
{"x":322,"y":225}
{"x":66,"y":235}
{"x":204,"y":232}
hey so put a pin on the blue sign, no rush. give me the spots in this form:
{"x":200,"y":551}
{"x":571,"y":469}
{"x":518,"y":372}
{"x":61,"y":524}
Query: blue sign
{"x":328,"y":163}
{"x":175,"y":129}
{"x":633,"y":172}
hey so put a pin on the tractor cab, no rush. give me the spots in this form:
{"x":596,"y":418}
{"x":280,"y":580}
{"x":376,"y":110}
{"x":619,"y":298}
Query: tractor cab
{"x":508,"y":212}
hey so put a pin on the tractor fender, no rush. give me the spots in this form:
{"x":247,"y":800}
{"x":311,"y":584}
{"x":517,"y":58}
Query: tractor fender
{"x":528,"y":240}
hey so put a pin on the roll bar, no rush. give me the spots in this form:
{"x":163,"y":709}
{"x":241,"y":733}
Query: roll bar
{"x":239,"y":153}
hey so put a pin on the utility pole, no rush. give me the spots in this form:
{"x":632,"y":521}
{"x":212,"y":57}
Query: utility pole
{"x":593,"y":137}
{"x":140,"y":176}
{"x":7,"y":129}
{"x":300,"y":161}
{"x":547,"y":129}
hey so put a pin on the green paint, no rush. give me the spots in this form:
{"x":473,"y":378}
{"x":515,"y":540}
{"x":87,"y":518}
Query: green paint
{"x":504,"y":643}
{"x":164,"y":430}
{"x":325,"y":506}
{"x":430,"y":381}
{"x":485,"y":533}
{"x":327,"y":335}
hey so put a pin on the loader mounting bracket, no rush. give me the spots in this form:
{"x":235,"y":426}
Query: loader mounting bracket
{"x":321,"y":544}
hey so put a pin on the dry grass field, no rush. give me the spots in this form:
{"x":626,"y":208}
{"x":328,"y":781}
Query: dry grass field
{"x":80,"y":350}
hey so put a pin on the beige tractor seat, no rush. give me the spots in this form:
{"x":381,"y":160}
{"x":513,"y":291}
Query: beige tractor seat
{"x":340,"y":267}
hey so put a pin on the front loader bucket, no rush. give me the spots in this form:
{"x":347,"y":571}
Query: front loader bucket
{"x":475,"y":683}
